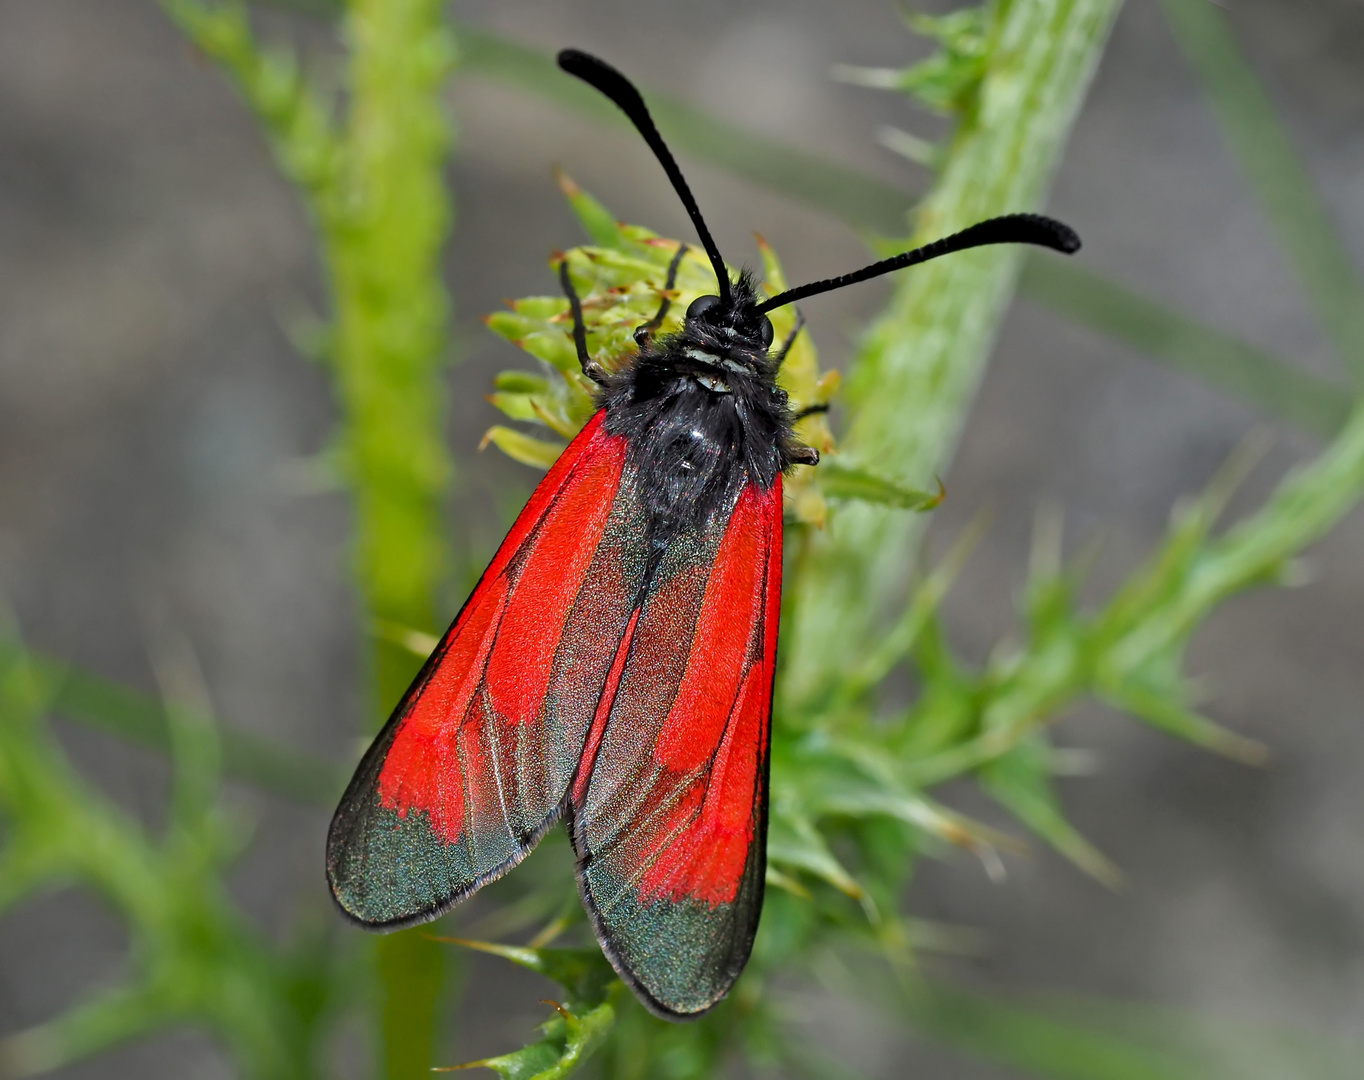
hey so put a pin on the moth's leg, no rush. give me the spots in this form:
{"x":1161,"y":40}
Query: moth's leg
{"x":809,"y":410}
{"x":802,"y":455}
{"x":790,"y":338}
{"x":645,"y":333}
{"x":591,"y":368}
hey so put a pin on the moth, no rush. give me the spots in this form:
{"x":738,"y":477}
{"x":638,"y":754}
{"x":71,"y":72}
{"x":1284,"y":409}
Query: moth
{"x":613,"y":668}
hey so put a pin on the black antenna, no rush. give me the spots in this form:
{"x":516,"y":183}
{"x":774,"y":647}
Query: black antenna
{"x":1010,"y":229}
{"x":602,"y":76}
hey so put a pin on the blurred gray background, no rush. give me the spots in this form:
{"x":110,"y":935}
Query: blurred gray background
{"x":155,"y":423}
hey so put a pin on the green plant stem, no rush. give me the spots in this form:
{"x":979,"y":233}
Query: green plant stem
{"x":376,"y":188}
{"x":391,"y":335}
{"x":391,"y":343}
{"x":917,"y":370}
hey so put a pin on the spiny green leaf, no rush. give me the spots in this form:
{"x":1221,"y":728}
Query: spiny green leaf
{"x":1021,"y":781}
{"x":542,"y":309}
{"x":545,"y":409}
{"x":517,"y":406}
{"x":847,"y":480}
{"x":537,"y":1061}
{"x":536,"y":453}
{"x":794,"y":842}
{"x":912,"y":147}
{"x":521,"y":382}
{"x":917,"y":617}
{"x":597,"y":221}
{"x":844,"y":777}
{"x":569,"y":1039}
{"x":580,"y":1025}
{"x":542,"y":340}
{"x":1163,"y":709}
{"x":583,"y":973}
{"x":948,"y":79}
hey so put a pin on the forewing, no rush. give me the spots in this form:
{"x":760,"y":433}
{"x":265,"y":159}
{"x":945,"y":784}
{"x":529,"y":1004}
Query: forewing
{"x":476,"y":761}
{"x":670,"y":823}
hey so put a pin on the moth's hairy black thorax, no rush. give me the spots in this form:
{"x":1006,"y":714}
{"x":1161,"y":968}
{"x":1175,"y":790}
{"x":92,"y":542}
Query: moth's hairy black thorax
{"x":703,"y":416}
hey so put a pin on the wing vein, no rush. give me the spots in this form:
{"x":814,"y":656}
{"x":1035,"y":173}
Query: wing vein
{"x":648,"y":864}
{"x":495,"y":737}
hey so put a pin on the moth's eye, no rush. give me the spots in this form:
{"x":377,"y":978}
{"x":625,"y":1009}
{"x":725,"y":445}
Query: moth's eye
{"x":765,"y":332}
{"x":700,"y":306}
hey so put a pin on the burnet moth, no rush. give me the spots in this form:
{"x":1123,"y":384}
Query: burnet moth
{"x":613,"y":668}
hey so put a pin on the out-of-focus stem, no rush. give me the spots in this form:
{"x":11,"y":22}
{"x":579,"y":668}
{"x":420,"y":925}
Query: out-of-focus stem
{"x":375,"y":185}
{"x":383,"y":246}
{"x":917,"y":370}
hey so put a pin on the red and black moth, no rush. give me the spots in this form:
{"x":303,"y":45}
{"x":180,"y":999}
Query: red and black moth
{"x":613,"y":668}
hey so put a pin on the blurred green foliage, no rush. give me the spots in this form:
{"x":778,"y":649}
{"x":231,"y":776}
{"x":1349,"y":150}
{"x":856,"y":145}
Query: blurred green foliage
{"x":852,"y":804}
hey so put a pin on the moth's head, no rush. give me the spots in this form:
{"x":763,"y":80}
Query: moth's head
{"x":712,"y":316}
{"x":736,"y":322}
{"x":724,"y":343}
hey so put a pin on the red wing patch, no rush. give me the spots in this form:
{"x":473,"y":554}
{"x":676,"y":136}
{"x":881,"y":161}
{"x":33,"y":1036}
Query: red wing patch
{"x":478,"y":757}
{"x":670,"y":826}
